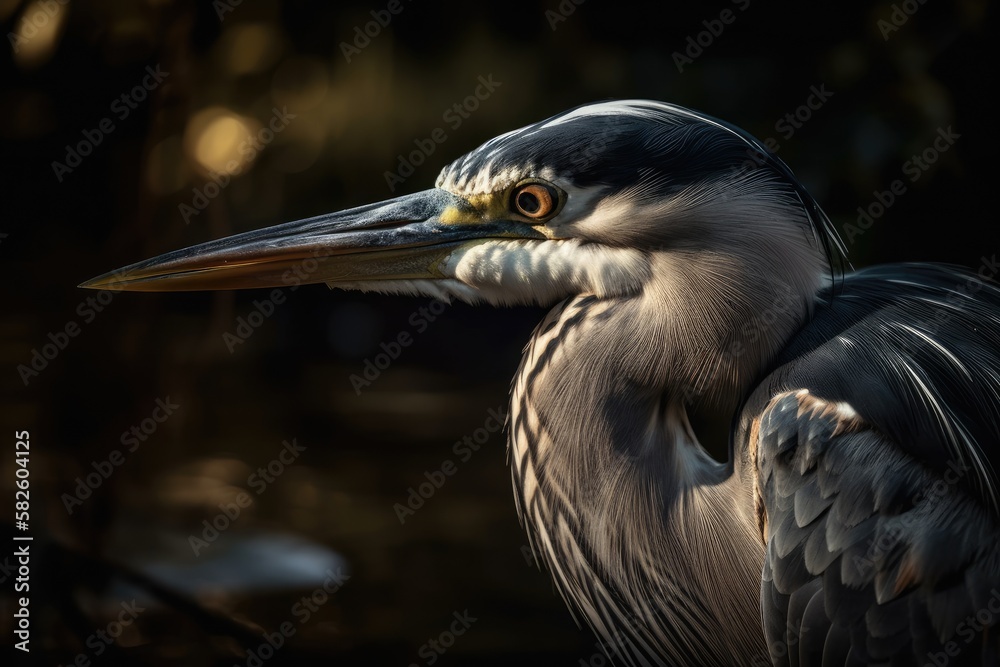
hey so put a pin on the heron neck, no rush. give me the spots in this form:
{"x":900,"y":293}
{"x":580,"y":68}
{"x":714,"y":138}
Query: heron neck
{"x":649,"y":538}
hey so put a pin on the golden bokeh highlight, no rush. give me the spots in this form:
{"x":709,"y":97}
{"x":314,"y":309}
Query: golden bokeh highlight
{"x":221,"y":141}
{"x":37,"y":33}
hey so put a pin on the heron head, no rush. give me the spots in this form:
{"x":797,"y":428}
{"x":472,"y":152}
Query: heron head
{"x":591,"y":201}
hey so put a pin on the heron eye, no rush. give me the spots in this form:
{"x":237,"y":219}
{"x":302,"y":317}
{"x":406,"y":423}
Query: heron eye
{"x":535,"y":200}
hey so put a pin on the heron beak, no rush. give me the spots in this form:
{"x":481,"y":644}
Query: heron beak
{"x":401,"y":239}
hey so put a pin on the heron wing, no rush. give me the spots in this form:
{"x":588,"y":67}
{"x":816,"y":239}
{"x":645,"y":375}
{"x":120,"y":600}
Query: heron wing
{"x":871,"y":558}
{"x":875,"y":449}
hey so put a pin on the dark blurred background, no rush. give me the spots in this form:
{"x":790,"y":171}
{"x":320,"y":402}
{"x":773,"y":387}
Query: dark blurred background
{"x":175,"y":168}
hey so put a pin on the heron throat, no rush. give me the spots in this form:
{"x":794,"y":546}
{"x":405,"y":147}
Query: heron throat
{"x":650,"y":540}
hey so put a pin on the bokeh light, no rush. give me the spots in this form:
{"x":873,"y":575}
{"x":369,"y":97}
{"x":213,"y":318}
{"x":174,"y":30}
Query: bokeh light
{"x":38,"y":31}
{"x":219,"y":140}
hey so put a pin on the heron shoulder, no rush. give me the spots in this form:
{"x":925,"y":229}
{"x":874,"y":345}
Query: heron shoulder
{"x":914,"y":350}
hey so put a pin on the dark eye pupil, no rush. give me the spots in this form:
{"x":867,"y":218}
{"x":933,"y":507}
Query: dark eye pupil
{"x":528,"y":202}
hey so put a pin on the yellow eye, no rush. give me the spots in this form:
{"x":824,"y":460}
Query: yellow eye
{"x":534,"y":200}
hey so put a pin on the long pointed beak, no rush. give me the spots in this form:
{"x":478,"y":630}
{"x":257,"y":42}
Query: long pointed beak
{"x":400,"y":239}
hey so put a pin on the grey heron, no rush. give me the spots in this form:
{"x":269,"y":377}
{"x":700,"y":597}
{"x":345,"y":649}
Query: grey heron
{"x":856,"y":518}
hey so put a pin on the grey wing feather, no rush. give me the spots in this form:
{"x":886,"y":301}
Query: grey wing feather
{"x":872,"y":558}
